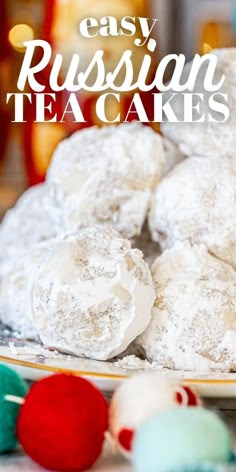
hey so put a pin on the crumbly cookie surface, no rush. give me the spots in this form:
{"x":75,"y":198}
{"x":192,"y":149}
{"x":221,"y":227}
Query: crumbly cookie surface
{"x":93,"y":295}
{"x":15,"y":290}
{"x":193,"y":323}
{"x":34,"y":218}
{"x":207,"y":138}
{"x":106,"y":176}
{"x":196,"y":202}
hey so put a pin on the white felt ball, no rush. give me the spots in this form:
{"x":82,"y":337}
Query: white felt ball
{"x":139,"y":398}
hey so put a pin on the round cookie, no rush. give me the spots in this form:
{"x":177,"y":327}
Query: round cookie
{"x":193,"y":323}
{"x":93,"y":295}
{"x":206,"y":139}
{"x":196,"y":202}
{"x":106,"y":176}
{"x":15,"y":290}
{"x":35,"y":218}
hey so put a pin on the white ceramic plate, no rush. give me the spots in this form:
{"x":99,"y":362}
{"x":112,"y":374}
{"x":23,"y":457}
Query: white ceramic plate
{"x":33,"y":362}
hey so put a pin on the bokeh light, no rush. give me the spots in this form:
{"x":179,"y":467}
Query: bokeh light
{"x":19,"y":34}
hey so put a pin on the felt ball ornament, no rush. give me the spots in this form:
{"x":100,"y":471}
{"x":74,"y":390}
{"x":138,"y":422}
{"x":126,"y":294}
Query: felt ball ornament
{"x":182,"y":439}
{"x":11,"y":386}
{"x":141,"y":397}
{"x":62,"y":423}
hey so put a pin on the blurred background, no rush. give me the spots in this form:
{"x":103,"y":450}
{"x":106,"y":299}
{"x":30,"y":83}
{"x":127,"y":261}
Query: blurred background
{"x":185,"y":26}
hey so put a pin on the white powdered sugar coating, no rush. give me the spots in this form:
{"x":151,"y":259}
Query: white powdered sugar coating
{"x":106,"y":176}
{"x":35,"y":218}
{"x":207,"y":138}
{"x":133,"y":362}
{"x":193,"y":323}
{"x":93,"y":295}
{"x":15,"y":290}
{"x":197,"y":202}
{"x":173,"y":155}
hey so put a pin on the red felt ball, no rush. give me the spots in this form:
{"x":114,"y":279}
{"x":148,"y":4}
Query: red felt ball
{"x":62,"y":423}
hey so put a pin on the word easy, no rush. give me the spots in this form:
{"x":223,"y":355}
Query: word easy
{"x":110,"y":26}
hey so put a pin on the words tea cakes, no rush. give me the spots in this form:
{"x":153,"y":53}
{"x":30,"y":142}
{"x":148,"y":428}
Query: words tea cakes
{"x":93,"y":295}
{"x":106,"y":176}
{"x":204,"y":136}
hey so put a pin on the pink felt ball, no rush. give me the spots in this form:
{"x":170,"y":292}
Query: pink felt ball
{"x":62,"y":423}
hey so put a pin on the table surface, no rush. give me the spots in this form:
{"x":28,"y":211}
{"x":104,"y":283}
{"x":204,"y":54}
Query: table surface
{"x":19,"y":462}
{"x":110,"y":463}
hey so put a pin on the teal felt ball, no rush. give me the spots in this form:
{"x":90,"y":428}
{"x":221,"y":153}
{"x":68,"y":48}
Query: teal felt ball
{"x":10,"y":384}
{"x":182,"y":439}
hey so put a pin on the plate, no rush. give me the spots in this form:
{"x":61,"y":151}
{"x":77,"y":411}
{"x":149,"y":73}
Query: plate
{"x":33,"y":362}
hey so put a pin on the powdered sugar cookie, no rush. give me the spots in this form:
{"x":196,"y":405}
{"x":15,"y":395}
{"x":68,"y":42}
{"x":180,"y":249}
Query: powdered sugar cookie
{"x":193,"y":323}
{"x":206,"y":138}
{"x":15,"y":290}
{"x":35,"y":218}
{"x":106,"y":176}
{"x":197,"y":202}
{"x":93,"y":295}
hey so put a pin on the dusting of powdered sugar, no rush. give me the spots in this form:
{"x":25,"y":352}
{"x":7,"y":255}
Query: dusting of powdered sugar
{"x":41,"y":351}
{"x":35,"y":218}
{"x":135,"y":363}
{"x":93,"y":294}
{"x":35,"y":350}
{"x":13,"y":348}
{"x":193,"y":323}
{"x":106,"y":176}
{"x":196,"y":202}
{"x":15,"y":290}
{"x":206,"y":138}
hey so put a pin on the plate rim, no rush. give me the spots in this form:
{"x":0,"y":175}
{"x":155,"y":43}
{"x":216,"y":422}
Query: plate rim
{"x":99,"y":375}
{"x":45,"y":367}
